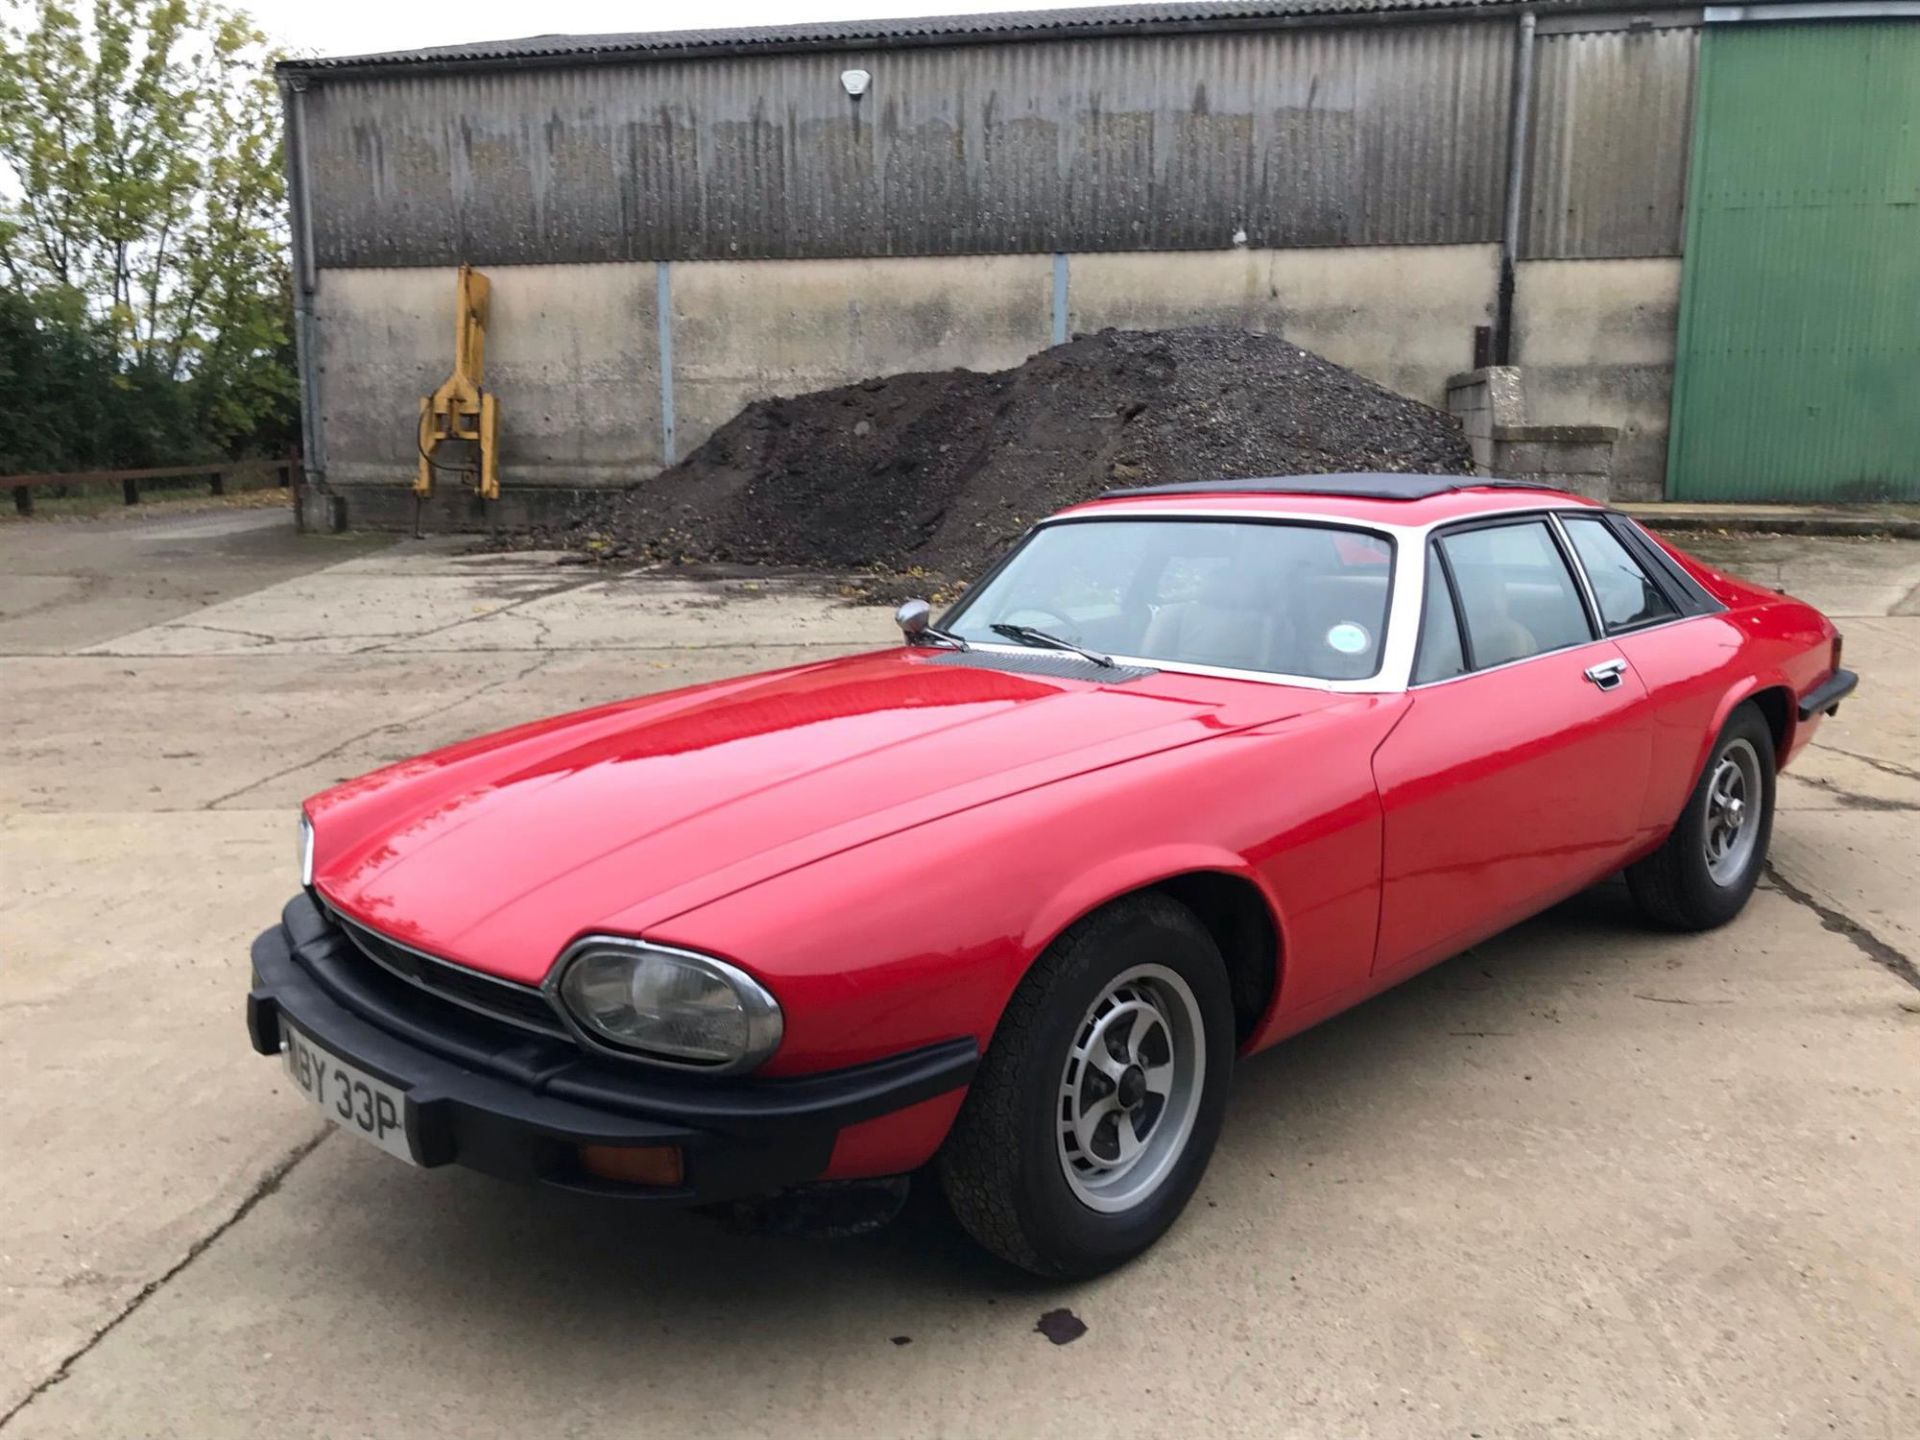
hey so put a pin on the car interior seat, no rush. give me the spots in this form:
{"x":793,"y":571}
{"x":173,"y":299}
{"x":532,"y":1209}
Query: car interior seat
{"x":1231,"y":623}
{"x":1497,"y":637}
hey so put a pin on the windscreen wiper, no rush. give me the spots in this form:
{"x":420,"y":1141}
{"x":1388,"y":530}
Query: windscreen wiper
{"x":1027,"y":635}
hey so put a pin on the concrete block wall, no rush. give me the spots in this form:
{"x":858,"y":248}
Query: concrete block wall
{"x":1492,"y":405}
{"x":1597,"y":341}
{"x":575,"y":352}
{"x":1483,"y":400}
{"x":1578,"y":458}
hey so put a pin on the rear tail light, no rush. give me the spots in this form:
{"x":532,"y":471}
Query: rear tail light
{"x":1839,"y":640}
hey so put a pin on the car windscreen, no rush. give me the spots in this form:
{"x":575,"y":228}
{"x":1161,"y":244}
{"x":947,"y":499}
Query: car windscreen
{"x":1280,"y":597}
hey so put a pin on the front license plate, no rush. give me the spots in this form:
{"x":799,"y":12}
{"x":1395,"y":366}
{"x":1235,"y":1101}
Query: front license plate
{"x":347,"y":1095}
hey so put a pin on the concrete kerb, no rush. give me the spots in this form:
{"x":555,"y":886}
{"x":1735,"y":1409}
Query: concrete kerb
{"x":1681,"y":518}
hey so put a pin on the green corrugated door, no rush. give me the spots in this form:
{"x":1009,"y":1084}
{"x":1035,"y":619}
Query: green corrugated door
{"x":1798,"y":372}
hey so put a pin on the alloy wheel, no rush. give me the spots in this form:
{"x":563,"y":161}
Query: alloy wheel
{"x":1733,"y":819}
{"x":1130,"y":1088}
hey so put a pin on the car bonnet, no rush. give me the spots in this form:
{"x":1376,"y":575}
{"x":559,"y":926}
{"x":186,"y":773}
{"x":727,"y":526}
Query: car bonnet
{"x":499,"y":852}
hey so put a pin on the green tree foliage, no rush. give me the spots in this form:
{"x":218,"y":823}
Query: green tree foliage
{"x":142,"y":250}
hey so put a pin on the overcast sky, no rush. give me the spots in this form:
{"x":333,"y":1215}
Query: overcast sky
{"x":353,"y":27}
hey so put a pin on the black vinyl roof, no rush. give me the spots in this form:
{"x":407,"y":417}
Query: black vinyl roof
{"x":921,"y":30}
{"x":1355,"y":486}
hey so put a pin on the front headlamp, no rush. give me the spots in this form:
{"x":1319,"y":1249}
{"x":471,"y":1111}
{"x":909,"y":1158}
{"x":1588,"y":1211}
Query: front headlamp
{"x":667,"y":1005}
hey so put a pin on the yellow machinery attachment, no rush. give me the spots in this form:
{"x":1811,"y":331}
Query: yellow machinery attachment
{"x":460,"y":409}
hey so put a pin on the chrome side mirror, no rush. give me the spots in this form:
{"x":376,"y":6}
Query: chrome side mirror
{"x":913,"y":617}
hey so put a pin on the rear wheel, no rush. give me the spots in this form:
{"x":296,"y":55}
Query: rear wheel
{"x":1095,"y":1109}
{"x":1701,"y":877}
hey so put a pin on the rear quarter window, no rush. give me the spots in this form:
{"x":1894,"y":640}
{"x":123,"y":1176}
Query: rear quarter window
{"x":1625,"y":593}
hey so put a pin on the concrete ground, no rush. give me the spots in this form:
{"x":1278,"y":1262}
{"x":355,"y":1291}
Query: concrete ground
{"x":1586,"y":1180}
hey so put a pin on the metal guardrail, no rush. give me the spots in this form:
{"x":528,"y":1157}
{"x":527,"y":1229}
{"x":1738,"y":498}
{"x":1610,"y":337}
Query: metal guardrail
{"x":216,"y":475}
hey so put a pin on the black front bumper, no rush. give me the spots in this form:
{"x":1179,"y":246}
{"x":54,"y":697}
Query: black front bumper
{"x":515,"y":1104}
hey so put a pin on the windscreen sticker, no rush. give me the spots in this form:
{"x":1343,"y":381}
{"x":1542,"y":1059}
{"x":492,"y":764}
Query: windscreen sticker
{"x":1348,"y":638}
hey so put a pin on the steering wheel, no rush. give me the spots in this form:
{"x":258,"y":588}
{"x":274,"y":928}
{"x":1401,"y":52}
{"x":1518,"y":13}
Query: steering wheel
{"x":1062,"y":627}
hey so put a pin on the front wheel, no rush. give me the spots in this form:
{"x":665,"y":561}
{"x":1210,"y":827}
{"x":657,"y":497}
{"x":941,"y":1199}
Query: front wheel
{"x":1095,"y":1109}
{"x":1701,"y":877}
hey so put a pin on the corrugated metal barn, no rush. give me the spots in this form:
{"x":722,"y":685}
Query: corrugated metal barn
{"x":676,"y":223}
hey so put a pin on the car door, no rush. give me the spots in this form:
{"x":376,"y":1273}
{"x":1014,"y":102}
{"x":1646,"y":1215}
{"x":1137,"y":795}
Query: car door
{"x":1674,"y":635}
{"x":1519,"y":772}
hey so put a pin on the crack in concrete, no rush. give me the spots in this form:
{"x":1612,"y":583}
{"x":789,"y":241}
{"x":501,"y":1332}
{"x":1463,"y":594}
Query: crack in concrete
{"x":1852,"y":799}
{"x":269,"y":1183}
{"x":1844,"y":925}
{"x":1889,"y":767}
{"x":260,"y":635}
{"x":386,"y":636}
{"x":386,"y":726}
{"x":546,"y":594}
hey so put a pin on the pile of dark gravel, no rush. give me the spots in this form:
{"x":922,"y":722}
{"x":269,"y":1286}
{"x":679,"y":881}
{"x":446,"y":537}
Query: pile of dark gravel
{"x":933,"y":474}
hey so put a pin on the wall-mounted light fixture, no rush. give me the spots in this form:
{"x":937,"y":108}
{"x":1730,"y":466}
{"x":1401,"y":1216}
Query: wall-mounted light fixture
{"x":855,"y":82}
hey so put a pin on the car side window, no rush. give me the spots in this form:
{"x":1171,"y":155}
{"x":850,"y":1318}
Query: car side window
{"x":1441,"y":655}
{"x":1624,"y":592}
{"x":1516,"y":592}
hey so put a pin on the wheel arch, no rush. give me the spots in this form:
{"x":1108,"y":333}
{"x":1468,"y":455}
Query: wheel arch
{"x":1224,"y":893}
{"x":1776,"y":706}
{"x":1773,"y":697}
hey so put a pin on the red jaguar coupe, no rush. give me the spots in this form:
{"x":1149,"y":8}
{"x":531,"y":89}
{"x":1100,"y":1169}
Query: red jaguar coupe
{"x":1191,"y":769}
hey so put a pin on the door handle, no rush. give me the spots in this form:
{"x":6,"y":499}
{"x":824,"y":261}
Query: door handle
{"x":1607,"y":674}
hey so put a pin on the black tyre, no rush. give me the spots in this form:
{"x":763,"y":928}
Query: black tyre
{"x":1701,"y":877}
{"x":1095,"y":1109}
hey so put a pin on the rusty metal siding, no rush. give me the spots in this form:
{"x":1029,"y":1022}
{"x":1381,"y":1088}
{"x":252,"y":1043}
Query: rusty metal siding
{"x":1331,"y":136}
{"x":1607,"y":155}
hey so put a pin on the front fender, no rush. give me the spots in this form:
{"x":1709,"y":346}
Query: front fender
{"x":923,"y":935}
{"x":874,"y":950}
{"x":1085,"y":891}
